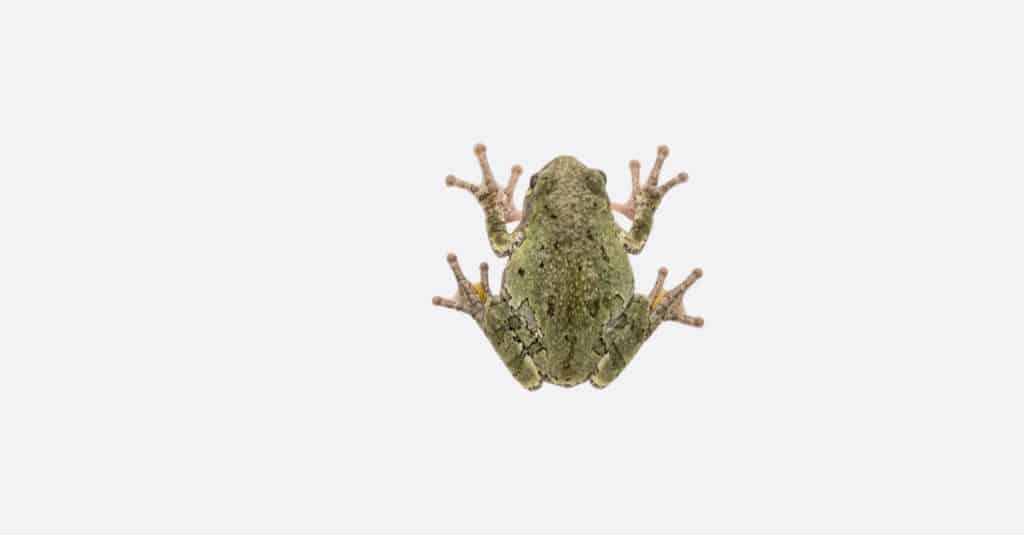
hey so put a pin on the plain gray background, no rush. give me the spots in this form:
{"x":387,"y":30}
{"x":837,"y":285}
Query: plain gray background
{"x":221,"y":224}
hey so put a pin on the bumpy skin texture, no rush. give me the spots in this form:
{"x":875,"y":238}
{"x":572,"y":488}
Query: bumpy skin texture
{"x":566,"y":312}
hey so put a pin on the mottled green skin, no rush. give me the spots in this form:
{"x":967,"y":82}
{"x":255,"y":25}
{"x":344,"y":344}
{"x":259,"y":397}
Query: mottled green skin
{"x":566,"y":312}
{"x":570,"y":271}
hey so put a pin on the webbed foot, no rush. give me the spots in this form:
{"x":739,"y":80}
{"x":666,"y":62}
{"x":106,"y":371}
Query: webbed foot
{"x":489,"y":193}
{"x":649,"y":193}
{"x":499,"y":208}
{"x":469,"y":298}
{"x":668,"y":306}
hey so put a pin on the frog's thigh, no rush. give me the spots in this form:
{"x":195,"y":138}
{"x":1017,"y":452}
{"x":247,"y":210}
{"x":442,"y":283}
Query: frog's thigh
{"x":623,"y":338}
{"x":514,"y":342}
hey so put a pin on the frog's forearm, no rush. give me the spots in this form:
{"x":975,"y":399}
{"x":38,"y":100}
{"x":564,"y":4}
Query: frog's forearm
{"x":502,"y":241}
{"x":644,"y":200}
{"x":496,"y":201}
{"x":635,"y":239}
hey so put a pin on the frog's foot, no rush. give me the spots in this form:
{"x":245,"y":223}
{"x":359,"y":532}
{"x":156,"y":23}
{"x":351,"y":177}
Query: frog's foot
{"x":489,"y":193}
{"x":668,"y":306}
{"x":648,"y":193}
{"x":469,"y":298}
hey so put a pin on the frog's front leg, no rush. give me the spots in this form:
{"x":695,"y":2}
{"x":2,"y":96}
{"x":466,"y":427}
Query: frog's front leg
{"x":643,"y":201}
{"x":499,"y":208}
{"x":510,"y":334}
{"x":624,"y":335}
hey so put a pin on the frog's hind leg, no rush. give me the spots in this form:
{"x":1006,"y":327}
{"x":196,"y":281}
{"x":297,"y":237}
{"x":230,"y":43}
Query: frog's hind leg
{"x":515,"y":341}
{"x":508,"y":332}
{"x":642,"y":316}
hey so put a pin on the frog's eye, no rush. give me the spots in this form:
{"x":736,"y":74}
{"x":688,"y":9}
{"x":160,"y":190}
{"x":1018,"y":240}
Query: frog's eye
{"x":604,"y":177}
{"x":533,"y":181}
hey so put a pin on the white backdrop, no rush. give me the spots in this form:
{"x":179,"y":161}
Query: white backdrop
{"x":221,"y":224}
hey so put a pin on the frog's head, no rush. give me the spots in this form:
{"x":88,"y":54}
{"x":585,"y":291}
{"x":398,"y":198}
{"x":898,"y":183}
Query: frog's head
{"x":565,"y":189}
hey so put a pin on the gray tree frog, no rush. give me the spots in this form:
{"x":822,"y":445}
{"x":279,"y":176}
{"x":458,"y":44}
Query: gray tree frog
{"x":566,"y":312}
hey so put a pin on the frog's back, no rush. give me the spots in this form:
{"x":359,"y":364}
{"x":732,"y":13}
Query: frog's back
{"x":571,"y":274}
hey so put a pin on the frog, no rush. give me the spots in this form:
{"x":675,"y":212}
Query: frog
{"x":566,"y":311}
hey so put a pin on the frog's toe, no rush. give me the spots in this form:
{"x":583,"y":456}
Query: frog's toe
{"x":675,"y":181}
{"x":628,"y":208}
